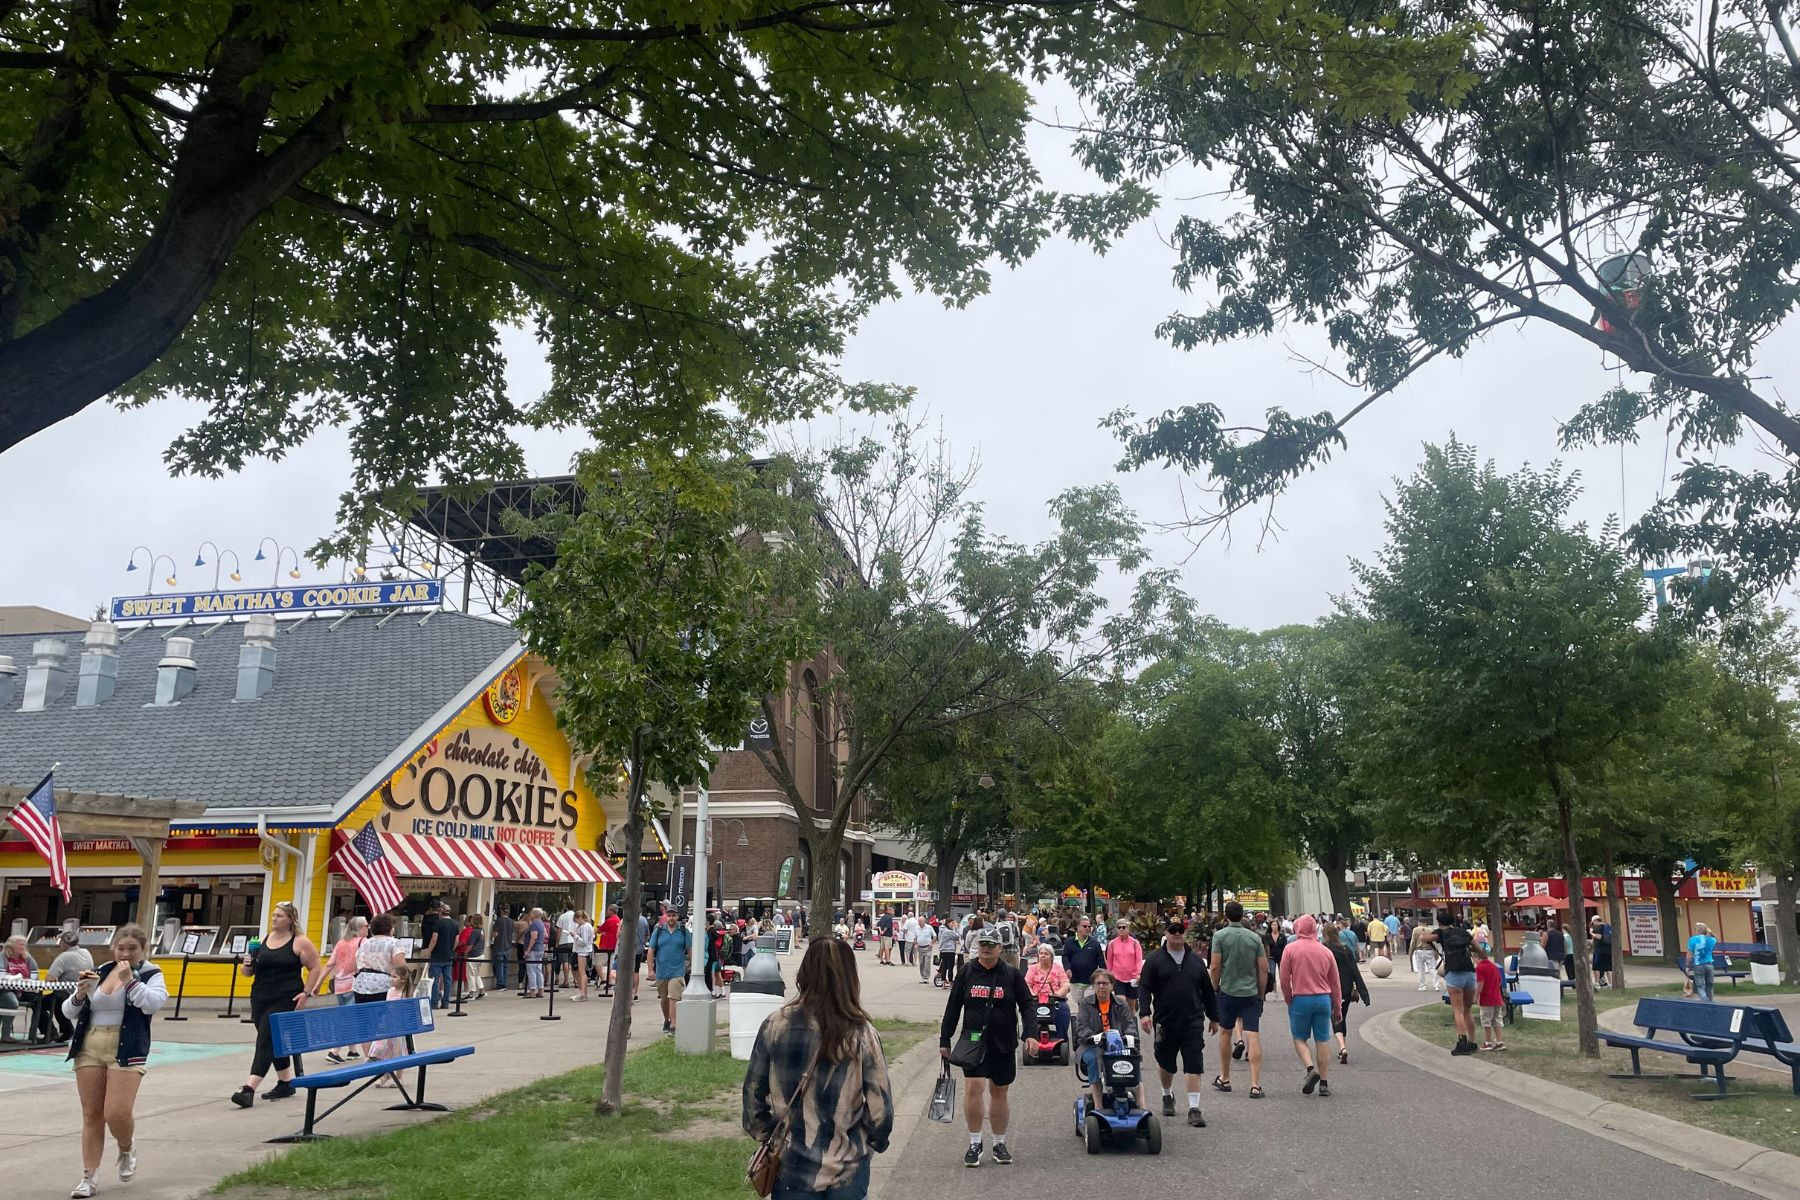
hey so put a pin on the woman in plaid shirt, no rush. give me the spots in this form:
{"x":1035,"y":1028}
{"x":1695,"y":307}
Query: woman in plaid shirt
{"x":847,"y":1113}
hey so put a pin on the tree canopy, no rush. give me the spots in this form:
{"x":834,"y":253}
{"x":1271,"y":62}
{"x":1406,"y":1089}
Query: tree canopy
{"x":300,"y":216}
{"x":1620,"y":173}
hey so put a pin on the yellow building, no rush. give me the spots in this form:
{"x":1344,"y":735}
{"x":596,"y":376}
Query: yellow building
{"x":435,"y":729}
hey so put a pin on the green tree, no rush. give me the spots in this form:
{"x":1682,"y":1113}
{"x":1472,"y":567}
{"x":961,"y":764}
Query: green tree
{"x":1518,"y":663}
{"x":1760,"y":659}
{"x":1572,"y":132}
{"x":656,"y":616}
{"x":941,"y":790}
{"x":303,"y":216}
{"x":1312,"y":671}
{"x":1201,"y":773}
{"x":930,"y":620}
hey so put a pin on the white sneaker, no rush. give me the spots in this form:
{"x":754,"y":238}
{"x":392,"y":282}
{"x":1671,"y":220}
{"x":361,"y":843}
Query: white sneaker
{"x":1424,"y":988}
{"x":127,"y":1165}
{"x":83,"y":1189}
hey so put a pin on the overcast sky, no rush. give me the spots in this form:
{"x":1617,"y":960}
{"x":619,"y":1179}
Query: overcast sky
{"x":1021,"y":376}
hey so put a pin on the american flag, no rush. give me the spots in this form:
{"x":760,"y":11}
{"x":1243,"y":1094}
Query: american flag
{"x":35,"y":817}
{"x":360,"y":859}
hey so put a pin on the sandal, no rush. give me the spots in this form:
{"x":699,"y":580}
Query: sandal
{"x":1221,"y":1084}
{"x":1343,"y":1057}
{"x":1256,"y":1092}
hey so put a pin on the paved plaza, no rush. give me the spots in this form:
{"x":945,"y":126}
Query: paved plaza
{"x":1389,"y":1130}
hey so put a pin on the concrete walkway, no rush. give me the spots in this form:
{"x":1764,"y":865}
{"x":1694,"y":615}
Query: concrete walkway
{"x":1390,"y":1129}
{"x":1288,"y":1145}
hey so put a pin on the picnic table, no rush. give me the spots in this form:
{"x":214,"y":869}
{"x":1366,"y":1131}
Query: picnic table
{"x":1707,"y":1034}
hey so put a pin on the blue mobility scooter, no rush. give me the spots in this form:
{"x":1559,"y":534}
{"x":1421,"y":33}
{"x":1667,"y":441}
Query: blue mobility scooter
{"x":1120,"y":1118}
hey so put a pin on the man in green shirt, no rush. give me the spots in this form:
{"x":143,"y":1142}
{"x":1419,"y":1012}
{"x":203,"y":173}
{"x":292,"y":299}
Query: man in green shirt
{"x":1240,"y":973}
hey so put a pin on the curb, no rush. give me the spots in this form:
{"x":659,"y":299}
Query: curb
{"x":910,"y":1078}
{"x":1746,"y":1165}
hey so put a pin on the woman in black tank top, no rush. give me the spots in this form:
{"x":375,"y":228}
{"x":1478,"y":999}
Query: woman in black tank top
{"x":283,"y":971}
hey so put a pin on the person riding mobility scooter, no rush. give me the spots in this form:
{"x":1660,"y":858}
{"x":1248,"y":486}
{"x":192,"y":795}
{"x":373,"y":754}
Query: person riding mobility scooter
{"x":1047,"y":1040}
{"x":1112,"y":1107}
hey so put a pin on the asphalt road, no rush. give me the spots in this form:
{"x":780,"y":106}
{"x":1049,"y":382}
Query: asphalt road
{"x":1437,"y":1139}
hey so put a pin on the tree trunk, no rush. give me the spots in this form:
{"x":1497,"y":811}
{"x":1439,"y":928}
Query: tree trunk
{"x":618,"y":1026}
{"x":1333,"y":863}
{"x":1615,"y":916}
{"x":948,"y":859}
{"x":1496,"y":920}
{"x":1662,"y":872}
{"x":1586,"y":1024}
{"x":1785,"y":939}
{"x":827,"y":845}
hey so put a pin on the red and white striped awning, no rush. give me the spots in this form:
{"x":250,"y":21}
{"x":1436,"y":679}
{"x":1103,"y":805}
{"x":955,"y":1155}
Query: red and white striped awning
{"x":447,"y":858}
{"x":555,"y":864}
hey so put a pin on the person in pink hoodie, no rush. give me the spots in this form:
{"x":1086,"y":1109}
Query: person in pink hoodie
{"x":1125,"y":961}
{"x":1309,"y":981}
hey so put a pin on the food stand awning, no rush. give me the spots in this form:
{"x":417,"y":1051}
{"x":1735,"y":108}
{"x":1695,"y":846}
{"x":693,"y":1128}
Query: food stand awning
{"x":556,"y":864}
{"x":443,"y":857}
{"x":1559,"y":903}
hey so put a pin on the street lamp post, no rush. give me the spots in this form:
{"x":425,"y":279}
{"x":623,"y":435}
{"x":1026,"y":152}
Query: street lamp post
{"x":697,"y":1012}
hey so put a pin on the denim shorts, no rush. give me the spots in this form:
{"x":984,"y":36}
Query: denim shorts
{"x":1309,"y":1018}
{"x":1460,"y":979}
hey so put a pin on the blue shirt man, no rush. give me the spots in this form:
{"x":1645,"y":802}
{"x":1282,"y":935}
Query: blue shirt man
{"x":669,"y":957}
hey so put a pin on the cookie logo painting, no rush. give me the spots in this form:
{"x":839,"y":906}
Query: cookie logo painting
{"x":505,"y":696}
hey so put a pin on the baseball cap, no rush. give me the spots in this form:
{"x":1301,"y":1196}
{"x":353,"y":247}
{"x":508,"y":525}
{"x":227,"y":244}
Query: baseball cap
{"x":987,"y":937}
{"x":69,"y":937}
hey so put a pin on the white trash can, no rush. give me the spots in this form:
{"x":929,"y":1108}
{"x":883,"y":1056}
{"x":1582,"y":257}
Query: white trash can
{"x":1765,"y":973}
{"x":748,"y":1012}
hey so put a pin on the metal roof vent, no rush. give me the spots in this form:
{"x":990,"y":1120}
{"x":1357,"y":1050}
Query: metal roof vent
{"x":175,"y":673}
{"x":45,"y":679}
{"x":9,"y":680}
{"x":99,"y":672}
{"x":256,"y":658}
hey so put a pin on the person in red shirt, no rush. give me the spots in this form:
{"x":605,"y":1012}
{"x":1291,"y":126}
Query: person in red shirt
{"x":607,"y":943}
{"x":1492,"y":998}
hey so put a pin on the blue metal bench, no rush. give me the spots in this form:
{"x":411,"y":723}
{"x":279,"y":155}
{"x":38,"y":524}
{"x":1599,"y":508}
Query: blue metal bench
{"x":1706,"y":1035}
{"x":325,"y":1028}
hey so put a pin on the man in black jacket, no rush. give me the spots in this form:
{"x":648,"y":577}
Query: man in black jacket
{"x":990,"y":1001}
{"x":1178,"y":1002}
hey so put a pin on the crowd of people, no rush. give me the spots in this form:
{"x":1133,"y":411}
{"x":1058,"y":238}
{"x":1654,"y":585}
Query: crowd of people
{"x":1168,"y":978}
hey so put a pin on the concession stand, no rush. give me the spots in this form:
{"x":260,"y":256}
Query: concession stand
{"x":276,"y":741}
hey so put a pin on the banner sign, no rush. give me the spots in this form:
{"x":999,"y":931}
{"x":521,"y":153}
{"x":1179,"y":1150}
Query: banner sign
{"x":1714,"y":884}
{"x":681,"y":881}
{"x":757,"y":735}
{"x":786,"y":877}
{"x":1254,"y":901}
{"x":1644,"y":925}
{"x":1429,"y":885}
{"x":322,"y":597}
{"x":1468,"y":884}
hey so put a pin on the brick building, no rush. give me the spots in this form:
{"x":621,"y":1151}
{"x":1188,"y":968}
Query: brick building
{"x":748,"y":805}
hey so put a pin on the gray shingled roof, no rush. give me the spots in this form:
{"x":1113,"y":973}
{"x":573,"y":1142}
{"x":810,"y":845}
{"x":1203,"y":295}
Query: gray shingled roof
{"x":342,"y":700}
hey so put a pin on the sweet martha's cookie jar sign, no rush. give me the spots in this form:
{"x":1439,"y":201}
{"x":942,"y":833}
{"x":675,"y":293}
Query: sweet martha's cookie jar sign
{"x":481,"y":783}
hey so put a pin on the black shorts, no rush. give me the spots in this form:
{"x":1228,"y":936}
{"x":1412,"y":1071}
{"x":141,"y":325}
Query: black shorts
{"x":1186,"y":1043}
{"x":999,"y":1067}
{"x":1247,"y":1009}
{"x":1127,"y":990}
